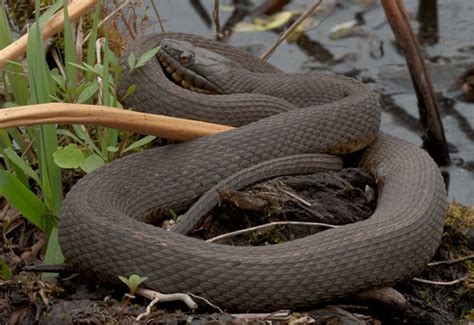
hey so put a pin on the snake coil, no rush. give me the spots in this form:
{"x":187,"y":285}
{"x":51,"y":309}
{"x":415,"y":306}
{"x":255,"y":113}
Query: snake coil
{"x":101,"y":230}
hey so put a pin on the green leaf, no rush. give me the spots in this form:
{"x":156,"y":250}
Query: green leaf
{"x":112,"y":148}
{"x":130,"y":90}
{"x":53,"y":252}
{"x":91,"y":56}
{"x":40,"y":91}
{"x":6,"y":273}
{"x":82,"y":67}
{"x":69,"y":48}
{"x":147,"y":56}
{"x":137,"y":144}
{"x":133,"y":282}
{"x":132,"y":60}
{"x":85,"y":136}
{"x":68,"y":133}
{"x":23,"y":165}
{"x":58,"y":79}
{"x":49,"y":12}
{"x":88,"y":92}
{"x":25,"y":201}
{"x":69,"y":157}
{"x":91,"y":163}
{"x":14,"y":72}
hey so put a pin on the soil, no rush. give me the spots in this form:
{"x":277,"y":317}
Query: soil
{"x":323,"y":197}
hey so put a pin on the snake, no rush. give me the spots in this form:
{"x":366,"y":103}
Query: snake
{"x":284,"y":121}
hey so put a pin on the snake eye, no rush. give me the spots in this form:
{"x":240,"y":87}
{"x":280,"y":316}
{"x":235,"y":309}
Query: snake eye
{"x":184,"y":58}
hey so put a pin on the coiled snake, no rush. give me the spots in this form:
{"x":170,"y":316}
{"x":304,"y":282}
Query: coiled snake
{"x":101,"y":229}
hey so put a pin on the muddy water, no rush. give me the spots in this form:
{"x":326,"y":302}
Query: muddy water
{"x":446,"y":33}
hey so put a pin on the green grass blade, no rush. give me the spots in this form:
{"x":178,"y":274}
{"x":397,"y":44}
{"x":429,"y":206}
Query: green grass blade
{"x":5,"y":274}
{"x":110,"y":136}
{"x":53,"y":253}
{"x":91,"y":56}
{"x":17,"y":136}
{"x":25,"y":201}
{"x":46,"y":137}
{"x":46,"y":144}
{"x":137,"y":144}
{"x":69,"y":50}
{"x":21,"y":164}
{"x":86,"y":94}
{"x":83,"y":135}
{"x":6,"y":144}
{"x":14,"y":73}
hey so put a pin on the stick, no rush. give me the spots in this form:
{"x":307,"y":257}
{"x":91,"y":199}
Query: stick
{"x":157,"y":13}
{"x":163,"y":297}
{"x":55,"y":24}
{"x":267,"y":225}
{"x":433,"y":138}
{"x":215,"y":15}
{"x":461,"y":259}
{"x":441,"y":283}
{"x":287,"y":32}
{"x":126,"y":22}
{"x":158,"y":125}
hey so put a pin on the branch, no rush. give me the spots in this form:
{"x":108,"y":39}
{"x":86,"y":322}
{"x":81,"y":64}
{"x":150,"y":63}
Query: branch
{"x":287,"y":32}
{"x":441,"y":283}
{"x":157,"y":13}
{"x":54,"y":25}
{"x":267,"y":225}
{"x":163,"y":297}
{"x":434,"y":139}
{"x":461,"y":259}
{"x":158,"y":125}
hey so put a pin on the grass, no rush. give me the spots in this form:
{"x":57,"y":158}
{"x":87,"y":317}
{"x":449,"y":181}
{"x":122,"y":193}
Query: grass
{"x":34,"y":160}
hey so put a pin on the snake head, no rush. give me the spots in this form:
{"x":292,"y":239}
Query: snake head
{"x":193,"y":67}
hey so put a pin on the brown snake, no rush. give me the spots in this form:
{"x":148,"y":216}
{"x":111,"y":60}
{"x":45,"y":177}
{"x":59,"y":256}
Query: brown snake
{"x":101,"y":229}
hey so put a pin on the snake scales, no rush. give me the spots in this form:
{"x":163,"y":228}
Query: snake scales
{"x":101,"y":230}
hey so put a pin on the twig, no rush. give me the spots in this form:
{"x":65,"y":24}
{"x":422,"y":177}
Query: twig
{"x":98,"y":47}
{"x":110,"y":15}
{"x":215,"y":15}
{"x":57,"y":60}
{"x":148,"y":309}
{"x":287,"y":32}
{"x":79,"y":42}
{"x":279,"y":315}
{"x":441,"y":283}
{"x":388,"y":295}
{"x":38,"y":246}
{"x":461,"y":259}
{"x":129,"y":26}
{"x":55,"y":24}
{"x":322,"y":20}
{"x":434,"y":139}
{"x":4,"y":212}
{"x":267,"y":225}
{"x":164,"y":297}
{"x":206,"y":301}
{"x":157,"y":13}
{"x":293,"y":195}
{"x":51,"y":268}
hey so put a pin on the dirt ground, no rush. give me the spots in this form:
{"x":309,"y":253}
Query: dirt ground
{"x":26,"y":298}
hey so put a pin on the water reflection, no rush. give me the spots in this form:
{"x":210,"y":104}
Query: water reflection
{"x":444,"y":28}
{"x":428,"y":18}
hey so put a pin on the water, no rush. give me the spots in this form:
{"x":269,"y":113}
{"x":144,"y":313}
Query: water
{"x":447,"y":43}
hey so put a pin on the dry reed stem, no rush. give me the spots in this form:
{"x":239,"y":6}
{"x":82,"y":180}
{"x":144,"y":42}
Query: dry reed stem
{"x":158,"y":125}
{"x":54,"y":25}
{"x":287,"y":32}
